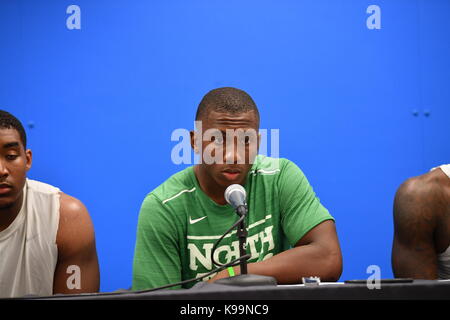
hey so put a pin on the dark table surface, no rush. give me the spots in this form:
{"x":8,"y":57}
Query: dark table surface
{"x":418,"y":289}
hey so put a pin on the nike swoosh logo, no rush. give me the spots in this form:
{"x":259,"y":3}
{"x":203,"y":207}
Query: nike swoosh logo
{"x":196,"y":220}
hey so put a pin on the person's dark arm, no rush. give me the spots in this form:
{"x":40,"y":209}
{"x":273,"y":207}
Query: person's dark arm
{"x":413,"y":251}
{"x":77,"y":269}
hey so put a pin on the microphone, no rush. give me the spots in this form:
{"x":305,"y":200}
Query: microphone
{"x":235,"y":196}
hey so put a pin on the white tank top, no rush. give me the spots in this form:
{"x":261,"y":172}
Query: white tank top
{"x":444,"y":257}
{"x":28,"y":250}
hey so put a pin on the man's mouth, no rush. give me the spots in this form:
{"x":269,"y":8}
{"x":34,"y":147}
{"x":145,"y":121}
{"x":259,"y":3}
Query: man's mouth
{"x":5,"y":188}
{"x":231,"y":174}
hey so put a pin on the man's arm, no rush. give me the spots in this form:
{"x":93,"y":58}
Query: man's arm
{"x":413,"y":251}
{"x":309,"y":228}
{"x":316,"y":254}
{"x":77,"y":270}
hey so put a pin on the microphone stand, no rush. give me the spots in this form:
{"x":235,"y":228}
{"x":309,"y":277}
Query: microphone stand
{"x":241,"y":233}
{"x":245,"y":279}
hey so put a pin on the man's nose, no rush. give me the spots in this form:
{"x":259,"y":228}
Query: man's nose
{"x":234,"y":154}
{"x":3,"y":169}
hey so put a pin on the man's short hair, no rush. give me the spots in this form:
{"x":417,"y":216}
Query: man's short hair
{"x":8,"y":121}
{"x":226,"y":100}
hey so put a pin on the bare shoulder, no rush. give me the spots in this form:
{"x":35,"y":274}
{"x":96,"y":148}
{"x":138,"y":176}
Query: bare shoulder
{"x":75,"y":225}
{"x":418,"y":185}
{"x":427,"y":188}
{"x":418,"y":201}
{"x":73,"y":213}
{"x":71,"y":206}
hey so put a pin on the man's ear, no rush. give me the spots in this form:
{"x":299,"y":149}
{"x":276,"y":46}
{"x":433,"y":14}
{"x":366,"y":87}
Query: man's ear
{"x":193,"y":141}
{"x":259,"y":142}
{"x":29,"y":157}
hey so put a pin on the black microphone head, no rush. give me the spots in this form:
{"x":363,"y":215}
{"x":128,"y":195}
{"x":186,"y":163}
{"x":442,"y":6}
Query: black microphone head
{"x":235,"y":195}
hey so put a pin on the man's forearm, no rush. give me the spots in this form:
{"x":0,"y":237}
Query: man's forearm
{"x":293,"y":264}
{"x":303,"y":261}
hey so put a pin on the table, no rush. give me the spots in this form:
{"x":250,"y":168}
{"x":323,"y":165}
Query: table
{"x":418,"y":289}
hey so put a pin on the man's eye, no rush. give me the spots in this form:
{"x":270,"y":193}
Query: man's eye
{"x":217,"y":140}
{"x":245,"y":140}
{"x":11,"y":156}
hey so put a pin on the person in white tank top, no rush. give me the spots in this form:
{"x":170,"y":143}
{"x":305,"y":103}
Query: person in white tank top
{"x":421,"y":246}
{"x":47,"y":241}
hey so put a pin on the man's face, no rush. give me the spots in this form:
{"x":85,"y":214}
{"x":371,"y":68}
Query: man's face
{"x":14,"y":164}
{"x":229,"y":146}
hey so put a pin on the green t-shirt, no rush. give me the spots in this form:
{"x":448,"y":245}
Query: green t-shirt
{"x":179,"y":224}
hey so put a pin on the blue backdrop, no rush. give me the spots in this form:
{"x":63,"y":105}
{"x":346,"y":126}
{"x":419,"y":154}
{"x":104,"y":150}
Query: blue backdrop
{"x":359,"y":93}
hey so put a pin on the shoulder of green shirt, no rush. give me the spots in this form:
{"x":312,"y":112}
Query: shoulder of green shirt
{"x":177,"y":184}
{"x":268,"y":165}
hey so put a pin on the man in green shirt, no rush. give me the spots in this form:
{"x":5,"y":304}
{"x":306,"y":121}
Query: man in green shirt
{"x":290,"y":234}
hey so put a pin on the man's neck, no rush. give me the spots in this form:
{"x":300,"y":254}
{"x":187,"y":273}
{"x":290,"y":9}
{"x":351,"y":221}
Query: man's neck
{"x":212,"y":190}
{"x":8,"y":214}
